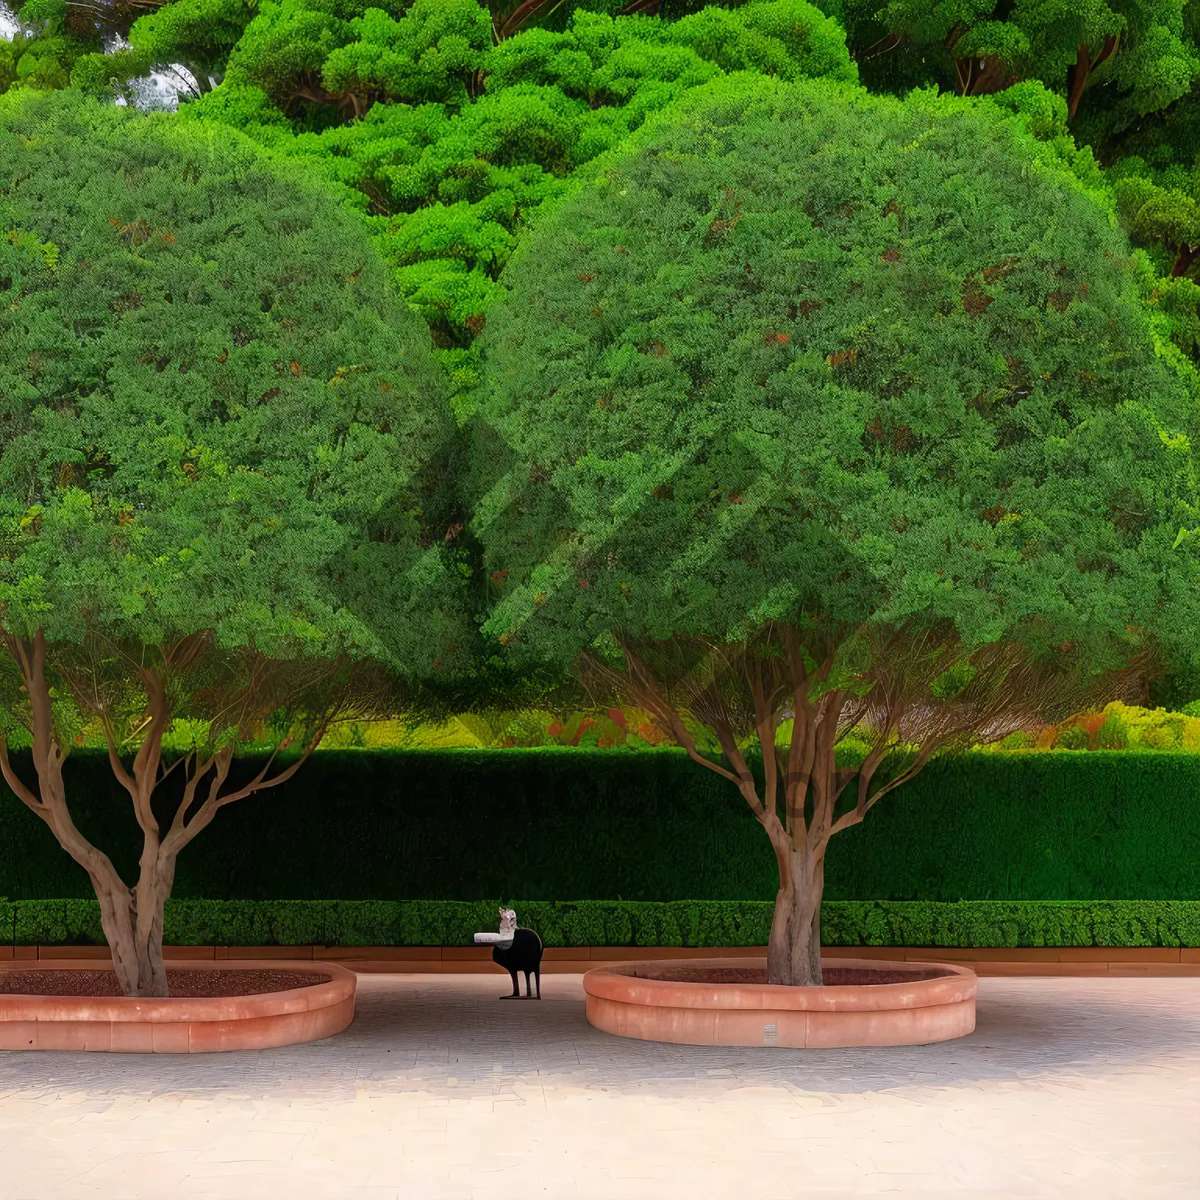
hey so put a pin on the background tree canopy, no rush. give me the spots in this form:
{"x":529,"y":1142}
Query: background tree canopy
{"x":463,"y":141}
{"x":1113,"y":60}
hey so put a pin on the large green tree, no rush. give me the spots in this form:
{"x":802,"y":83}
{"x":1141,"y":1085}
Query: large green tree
{"x":222,"y":454}
{"x":839,"y":410}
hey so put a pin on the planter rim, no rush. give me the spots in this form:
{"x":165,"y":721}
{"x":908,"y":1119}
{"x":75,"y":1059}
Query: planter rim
{"x":339,"y":987}
{"x":620,"y":982}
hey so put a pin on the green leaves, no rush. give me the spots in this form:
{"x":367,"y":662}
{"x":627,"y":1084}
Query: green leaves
{"x":175,"y":455}
{"x":1158,"y":205}
{"x":352,"y":56}
{"x":430,"y":54}
{"x":455,"y":145}
{"x":890,"y":392}
{"x":199,"y":34}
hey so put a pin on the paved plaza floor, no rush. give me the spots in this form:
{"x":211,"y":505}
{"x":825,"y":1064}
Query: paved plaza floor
{"x":439,"y":1091}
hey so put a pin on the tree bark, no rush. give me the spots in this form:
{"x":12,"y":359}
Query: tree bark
{"x":1079,"y":73}
{"x":520,"y":15}
{"x":883,"y":46}
{"x":983,"y":76}
{"x":349,"y":104}
{"x":794,"y":947}
{"x":132,"y":920}
{"x":1185,"y":256}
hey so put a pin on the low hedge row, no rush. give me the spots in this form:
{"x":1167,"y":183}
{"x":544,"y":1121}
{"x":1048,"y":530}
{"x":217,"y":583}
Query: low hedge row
{"x":978,"y":923}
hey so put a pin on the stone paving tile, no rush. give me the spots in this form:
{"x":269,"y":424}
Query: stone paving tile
{"x":1069,"y":1087}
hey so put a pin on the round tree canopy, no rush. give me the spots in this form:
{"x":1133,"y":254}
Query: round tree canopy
{"x":802,"y":354}
{"x":214,"y":414}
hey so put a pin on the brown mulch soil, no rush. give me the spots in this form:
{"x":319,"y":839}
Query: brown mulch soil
{"x":831,"y":976}
{"x":71,"y":982}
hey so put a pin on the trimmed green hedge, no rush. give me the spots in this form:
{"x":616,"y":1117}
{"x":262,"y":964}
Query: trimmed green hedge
{"x":580,"y":825}
{"x":624,"y":922}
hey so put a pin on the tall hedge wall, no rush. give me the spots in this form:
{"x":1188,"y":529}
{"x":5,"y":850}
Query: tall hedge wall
{"x":605,"y":825}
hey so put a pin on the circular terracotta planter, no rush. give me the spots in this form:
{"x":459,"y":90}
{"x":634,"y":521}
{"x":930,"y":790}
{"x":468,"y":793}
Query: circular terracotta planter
{"x":179,"y":1024}
{"x":719,"y":1002}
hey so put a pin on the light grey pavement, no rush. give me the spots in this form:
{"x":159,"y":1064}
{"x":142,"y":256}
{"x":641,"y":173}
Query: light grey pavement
{"x":1070,"y":1087}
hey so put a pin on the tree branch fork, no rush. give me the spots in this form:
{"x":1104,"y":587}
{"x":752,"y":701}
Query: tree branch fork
{"x":803,"y":795}
{"x":132,"y":916}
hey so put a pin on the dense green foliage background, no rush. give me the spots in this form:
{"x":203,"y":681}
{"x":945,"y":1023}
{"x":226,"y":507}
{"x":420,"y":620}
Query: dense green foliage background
{"x":563,"y":825}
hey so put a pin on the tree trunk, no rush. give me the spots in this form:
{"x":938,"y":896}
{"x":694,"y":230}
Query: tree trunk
{"x":794,"y":948}
{"x":132,"y":920}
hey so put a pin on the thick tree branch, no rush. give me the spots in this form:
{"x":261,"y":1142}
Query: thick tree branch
{"x":311,"y":89}
{"x":1110,"y":47}
{"x":124,"y":778}
{"x":802,"y":751}
{"x":32,"y":659}
{"x":743,"y":776}
{"x":144,"y":778}
{"x":1077,"y":77}
{"x":825,"y":764}
{"x":149,"y":755}
{"x":183,"y":830}
{"x":1080,"y":72}
{"x":14,"y":782}
{"x":48,"y":759}
{"x":1185,"y":256}
{"x":866,"y":802}
{"x":192,"y":776}
{"x":765,"y":725}
{"x":178,"y":835}
{"x":952,"y":37}
{"x":799,"y":765}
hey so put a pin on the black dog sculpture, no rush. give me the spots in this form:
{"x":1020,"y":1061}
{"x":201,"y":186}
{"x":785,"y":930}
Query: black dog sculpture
{"x":522,"y":954}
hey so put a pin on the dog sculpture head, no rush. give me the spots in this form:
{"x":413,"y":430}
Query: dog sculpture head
{"x":508,"y":920}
